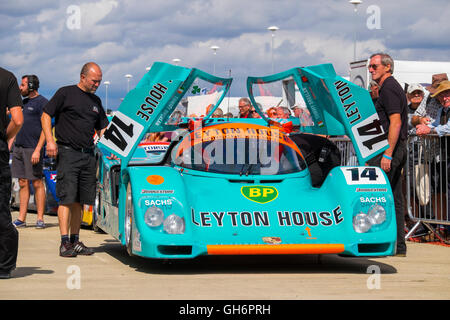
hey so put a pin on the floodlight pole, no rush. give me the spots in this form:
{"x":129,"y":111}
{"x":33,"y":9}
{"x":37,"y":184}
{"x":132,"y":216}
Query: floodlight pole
{"x":214,"y":49}
{"x":355,"y":3}
{"x":107,"y":83}
{"x":273,"y":29}
{"x":128,"y":76}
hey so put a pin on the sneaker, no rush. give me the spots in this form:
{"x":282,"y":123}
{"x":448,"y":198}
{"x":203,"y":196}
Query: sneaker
{"x":80,"y":248}
{"x":40,"y":224}
{"x":67,"y":250}
{"x":19,"y":224}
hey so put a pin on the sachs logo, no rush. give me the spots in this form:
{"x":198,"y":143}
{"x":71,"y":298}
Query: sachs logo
{"x":260,"y":194}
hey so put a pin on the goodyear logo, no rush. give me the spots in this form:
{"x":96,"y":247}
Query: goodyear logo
{"x":260,"y":194}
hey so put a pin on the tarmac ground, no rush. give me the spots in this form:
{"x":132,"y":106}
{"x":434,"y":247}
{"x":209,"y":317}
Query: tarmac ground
{"x":111,"y":274}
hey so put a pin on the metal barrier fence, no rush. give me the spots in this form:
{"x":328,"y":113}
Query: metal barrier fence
{"x":426,"y":179}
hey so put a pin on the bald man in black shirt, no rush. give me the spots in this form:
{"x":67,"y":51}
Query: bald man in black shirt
{"x":78,"y":114}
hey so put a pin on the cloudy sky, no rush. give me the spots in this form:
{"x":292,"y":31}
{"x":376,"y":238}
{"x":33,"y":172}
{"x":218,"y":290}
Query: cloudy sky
{"x":53,"y":39}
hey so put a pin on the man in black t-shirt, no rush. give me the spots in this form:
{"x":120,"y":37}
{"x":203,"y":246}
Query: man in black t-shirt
{"x":78,"y":114}
{"x":9,"y":237}
{"x":391,"y":107}
{"x":28,"y":153}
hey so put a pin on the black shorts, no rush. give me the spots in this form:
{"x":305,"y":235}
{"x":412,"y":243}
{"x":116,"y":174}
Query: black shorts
{"x":75,"y":180}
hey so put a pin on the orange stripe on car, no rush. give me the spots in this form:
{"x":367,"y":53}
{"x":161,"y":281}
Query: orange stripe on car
{"x":255,"y":249}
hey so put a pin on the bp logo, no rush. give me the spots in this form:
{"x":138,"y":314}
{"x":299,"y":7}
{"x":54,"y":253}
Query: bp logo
{"x":260,"y":194}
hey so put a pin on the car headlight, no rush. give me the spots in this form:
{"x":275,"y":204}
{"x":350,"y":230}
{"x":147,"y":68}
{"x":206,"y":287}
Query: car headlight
{"x":377,"y":214}
{"x":154,"y":216}
{"x":174,"y":224}
{"x":361,"y":223}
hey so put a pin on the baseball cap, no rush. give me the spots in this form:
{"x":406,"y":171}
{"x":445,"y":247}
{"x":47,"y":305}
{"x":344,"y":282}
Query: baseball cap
{"x":415,"y":87}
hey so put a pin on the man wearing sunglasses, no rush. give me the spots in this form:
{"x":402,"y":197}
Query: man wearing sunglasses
{"x":391,"y":107}
{"x":245,"y":108}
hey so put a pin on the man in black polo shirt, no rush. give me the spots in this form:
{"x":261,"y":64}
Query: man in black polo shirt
{"x":9,"y":237}
{"x":391,"y":107}
{"x":78,"y":114}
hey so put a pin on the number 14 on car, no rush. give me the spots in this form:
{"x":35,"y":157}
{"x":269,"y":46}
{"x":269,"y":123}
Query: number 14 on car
{"x":366,"y":175}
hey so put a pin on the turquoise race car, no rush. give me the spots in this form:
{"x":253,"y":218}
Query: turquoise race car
{"x":242,"y":186}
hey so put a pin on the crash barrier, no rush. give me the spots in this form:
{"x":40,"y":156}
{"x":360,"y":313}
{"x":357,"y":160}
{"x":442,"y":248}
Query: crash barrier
{"x":426,"y":179}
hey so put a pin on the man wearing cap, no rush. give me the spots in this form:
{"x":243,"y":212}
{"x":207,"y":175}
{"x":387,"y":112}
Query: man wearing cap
{"x":428,"y":109}
{"x":441,"y":127}
{"x":415,"y":94}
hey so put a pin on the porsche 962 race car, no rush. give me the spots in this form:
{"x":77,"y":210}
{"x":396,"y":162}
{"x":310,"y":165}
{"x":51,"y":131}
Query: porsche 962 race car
{"x":235,"y":186}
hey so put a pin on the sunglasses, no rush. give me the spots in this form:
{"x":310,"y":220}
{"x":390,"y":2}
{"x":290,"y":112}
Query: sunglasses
{"x":373,"y":66}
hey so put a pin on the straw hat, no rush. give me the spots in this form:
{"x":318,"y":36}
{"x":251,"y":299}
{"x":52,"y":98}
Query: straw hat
{"x":444,"y":86}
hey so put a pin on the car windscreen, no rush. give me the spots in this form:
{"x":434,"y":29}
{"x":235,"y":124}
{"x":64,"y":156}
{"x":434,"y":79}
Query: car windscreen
{"x":239,"y":150}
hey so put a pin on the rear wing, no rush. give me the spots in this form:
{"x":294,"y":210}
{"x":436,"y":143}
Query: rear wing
{"x":148,"y":107}
{"x":337,"y":107}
